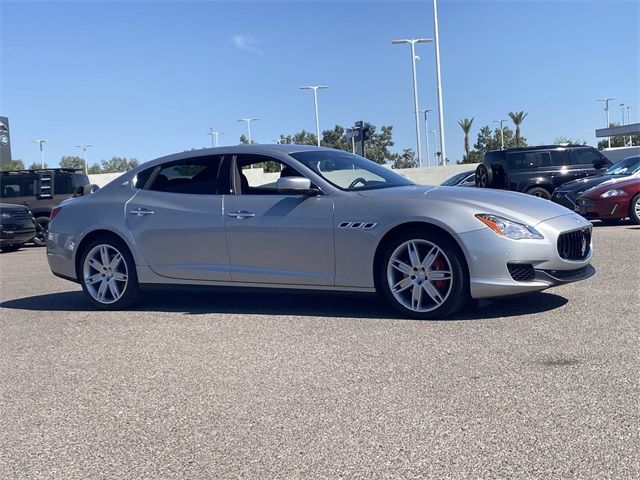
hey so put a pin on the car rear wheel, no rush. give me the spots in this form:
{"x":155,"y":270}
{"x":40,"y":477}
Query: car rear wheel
{"x":539,"y":192}
{"x":484,"y":177}
{"x":11,"y":248}
{"x":108,"y":275}
{"x":634,"y":209}
{"x":42,"y":229}
{"x":423,"y":275}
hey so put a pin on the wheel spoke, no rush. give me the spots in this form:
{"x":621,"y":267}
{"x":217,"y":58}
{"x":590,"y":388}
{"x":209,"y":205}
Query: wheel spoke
{"x":104,"y":255}
{"x":95,"y":264}
{"x":102,"y":290}
{"x":113,"y":288}
{"x":400,"y":266}
{"x":416,"y":297}
{"x":439,"y":275}
{"x":115,"y":261}
{"x":433,"y":292}
{"x":119,"y":276}
{"x":414,"y":256}
{"x":95,"y":278}
{"x":430,"y":258}
{"x":402,"y":285}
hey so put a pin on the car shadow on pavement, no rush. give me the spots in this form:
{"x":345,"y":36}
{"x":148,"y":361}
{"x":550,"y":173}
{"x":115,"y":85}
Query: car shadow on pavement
{"x":318,"y":304}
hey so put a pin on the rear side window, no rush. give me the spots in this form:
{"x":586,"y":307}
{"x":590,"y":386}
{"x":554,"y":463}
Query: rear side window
{"x":17,"y":186}
{"x":527,"y":160}
{"x":585,"y":157}
{"x":62,"y":185}
{"x":560,"y":158}
{"x":196,"y":176}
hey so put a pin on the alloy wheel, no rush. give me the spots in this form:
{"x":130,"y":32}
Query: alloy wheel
{"x":637,"y":207}
{"x":419,"y":275}
{"x":105,"y":273}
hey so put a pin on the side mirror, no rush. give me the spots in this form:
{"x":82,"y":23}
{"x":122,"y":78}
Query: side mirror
{"x":295,"y":185}
{"x":598,"y":164}
{"x":91,"y":188}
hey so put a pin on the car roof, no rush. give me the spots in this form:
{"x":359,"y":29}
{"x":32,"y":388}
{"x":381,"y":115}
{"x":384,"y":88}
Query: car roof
{"x":540,"y":147}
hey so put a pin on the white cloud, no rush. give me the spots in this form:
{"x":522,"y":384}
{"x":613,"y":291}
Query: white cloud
{"x":248,"y":44}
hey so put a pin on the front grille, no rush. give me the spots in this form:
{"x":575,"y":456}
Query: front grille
{"x":575,"y":245}
{"x":569,"y":274}
{"x":521,"y":272}
{"x":20,"y":213}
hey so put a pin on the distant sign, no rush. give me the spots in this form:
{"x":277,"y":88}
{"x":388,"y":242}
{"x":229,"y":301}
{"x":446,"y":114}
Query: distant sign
{"x":5,"y":142}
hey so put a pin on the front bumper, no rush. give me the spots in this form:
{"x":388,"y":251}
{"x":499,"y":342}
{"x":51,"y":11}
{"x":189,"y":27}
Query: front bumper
{"x":604,"y":208}
{"x":489,"y":256}
{"x":566,"y":199}
{"x":15,"y":236}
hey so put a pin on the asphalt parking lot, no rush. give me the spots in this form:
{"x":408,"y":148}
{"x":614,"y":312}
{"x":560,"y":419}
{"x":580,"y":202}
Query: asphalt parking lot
{"x":300,"y":385}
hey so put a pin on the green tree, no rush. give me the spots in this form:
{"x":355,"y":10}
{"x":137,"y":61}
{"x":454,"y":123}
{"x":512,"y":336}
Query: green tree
{"x":304,"y":138}
{"x":488,"y":140}
{"x":465,"y":125}
{"x":568,"y":141}
{"x":336,"y":138}
{"x":518,"y":118}
{"x":118,"y":164}
{"x":16,"y":164}
{"x":406,"y":159}
{"x":474,"y":157}
{"x":70,"y":161}
{"x":245,"y":141}
{"x":94,"y":169}
{"x":377,"y":148}
{"x":37,"y":166}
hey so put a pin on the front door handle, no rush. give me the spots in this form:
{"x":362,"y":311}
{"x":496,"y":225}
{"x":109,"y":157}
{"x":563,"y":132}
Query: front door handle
{"x":241,"y":214}
{"x":141,"y":212}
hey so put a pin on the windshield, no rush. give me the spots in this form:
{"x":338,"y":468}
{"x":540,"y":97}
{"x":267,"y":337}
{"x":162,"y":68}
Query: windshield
{"x":628,"y":166}
{"x":350,"y":172}
{"x":456,"y":179}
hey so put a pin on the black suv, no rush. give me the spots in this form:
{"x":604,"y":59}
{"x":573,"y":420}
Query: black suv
{"x":40,"y":191}
{"x":16,"y":227}
{"x":538,"y":170}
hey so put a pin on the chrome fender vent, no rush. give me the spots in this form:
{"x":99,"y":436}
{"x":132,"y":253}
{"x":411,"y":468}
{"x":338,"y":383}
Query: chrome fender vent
{"x":361,"y":225}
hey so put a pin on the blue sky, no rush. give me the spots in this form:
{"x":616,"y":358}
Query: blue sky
{"x":144,"y":79}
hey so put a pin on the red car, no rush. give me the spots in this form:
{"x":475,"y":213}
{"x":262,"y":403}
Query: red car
{"x":612,"y":200}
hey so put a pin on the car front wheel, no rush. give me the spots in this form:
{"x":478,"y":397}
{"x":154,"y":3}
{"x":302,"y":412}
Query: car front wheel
{"x":423,"y":275}
{"x":540,"y":193}
{"x":108,"y":275}
{"x":634,"y":209}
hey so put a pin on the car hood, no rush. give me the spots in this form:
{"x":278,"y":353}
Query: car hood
{"x":620,"y":182}
{"x":519,"y":207}
{"x":583,"y":184}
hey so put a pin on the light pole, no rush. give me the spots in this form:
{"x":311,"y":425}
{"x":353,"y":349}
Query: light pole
{"x":628,"y":108}
{"x":216,"y":134}
{"x":439,"y":80}
{"x":501,"y":132}
{"x":412,"y":42}
{"x":40,"y":142}
{"x":84,"y":151}
{"x":315,"y":89}
{"x":622,"y":111}
{"x":426,"y":130}
{"x":248,"y":120}
{"x":435,"y":149}
{"x":606,"y":109}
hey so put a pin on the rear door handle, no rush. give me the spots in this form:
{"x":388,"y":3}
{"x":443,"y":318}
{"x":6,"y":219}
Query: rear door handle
{"x":241,"y":214}
{"x":141,"y":212}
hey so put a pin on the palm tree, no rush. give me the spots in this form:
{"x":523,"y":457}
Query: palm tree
{"x":465,"y":125}
{"x":517,"y":118}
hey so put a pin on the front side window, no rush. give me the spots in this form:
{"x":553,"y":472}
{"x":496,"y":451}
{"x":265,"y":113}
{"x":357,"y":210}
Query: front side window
{"x":196,"y":176}
{"x":350,"y":172}
{"x":258,"y":175}
{"x":586,"y":157}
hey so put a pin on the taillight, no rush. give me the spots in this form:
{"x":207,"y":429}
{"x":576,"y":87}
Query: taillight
{"x":54,"y":212}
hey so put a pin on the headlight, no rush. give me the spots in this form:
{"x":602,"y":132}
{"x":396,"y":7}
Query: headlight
{"x":613,"y":193}
{"x":508,"y":228}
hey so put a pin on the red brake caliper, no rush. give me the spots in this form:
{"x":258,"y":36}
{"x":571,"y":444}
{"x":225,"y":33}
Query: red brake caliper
{"x":437,"y":265}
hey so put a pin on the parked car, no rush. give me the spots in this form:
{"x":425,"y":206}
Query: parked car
{"x":539,"y":170}
{"x":16,"y":226}
{"x":463,"y":179}
{"x":331,"y":221}
{"x":40,"y":191}
{"x":567,"y":193}
{"x":612,"y":200}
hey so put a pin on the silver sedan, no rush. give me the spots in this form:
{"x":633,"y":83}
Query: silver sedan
{"x":298,"y":217}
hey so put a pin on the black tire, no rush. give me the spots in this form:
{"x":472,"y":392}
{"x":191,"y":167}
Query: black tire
{"x":458,"y":292}
{"x":11,"y":248}
{"x":539,"y":192}
{"x":484,"y":177}
{"x":634,"y":210}
{"x":42,"y":229}
{"x":130,"y":288}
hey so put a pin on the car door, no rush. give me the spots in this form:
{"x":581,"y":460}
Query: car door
{"x":274,"y":237}
{"x":176,"y":219}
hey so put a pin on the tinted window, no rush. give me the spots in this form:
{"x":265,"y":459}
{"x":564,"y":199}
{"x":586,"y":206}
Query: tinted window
{"x":560,"y":158}
{"x":141,"y":177}
{"x":62,"y":185}
{"x":197,"y":176}
{"x":585,"y":157}
{"x":17,"y":186}
{"x":78,"y":181}
{"x":526,"y":160}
